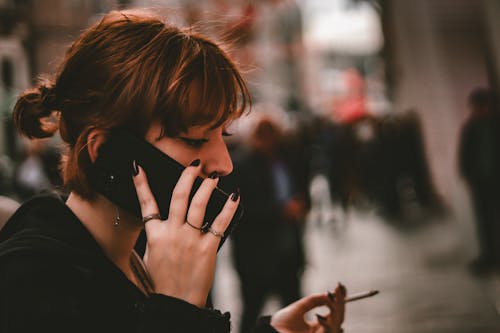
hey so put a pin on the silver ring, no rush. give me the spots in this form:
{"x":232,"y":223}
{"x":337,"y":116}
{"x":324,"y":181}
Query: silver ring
{"x":150,"y":217}
{"x":192,"y":226}
{"x":216,"y":233}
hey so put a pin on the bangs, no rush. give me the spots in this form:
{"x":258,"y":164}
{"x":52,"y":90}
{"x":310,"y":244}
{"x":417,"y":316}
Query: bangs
{"x":206,"y":88}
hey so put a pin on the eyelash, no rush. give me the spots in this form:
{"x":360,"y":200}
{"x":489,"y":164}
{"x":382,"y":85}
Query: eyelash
{"x":197,"y":143}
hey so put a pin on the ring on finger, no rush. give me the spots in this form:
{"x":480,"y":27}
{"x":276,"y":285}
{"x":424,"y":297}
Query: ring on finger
{"x":216,"y":233}
{"x":192,"y":225}
{"x":150,"y":217}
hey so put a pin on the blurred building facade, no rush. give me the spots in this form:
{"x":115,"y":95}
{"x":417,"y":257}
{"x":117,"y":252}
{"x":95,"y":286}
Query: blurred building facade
{"x":435,"y":52}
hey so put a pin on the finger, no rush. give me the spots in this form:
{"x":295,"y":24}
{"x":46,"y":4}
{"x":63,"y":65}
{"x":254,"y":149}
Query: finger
{"x":222,"y":220}
{"x":198,"y":205}
{"x":330,"y":300}
{"x":334,"y":298}
{"x":341,"y":301}
{"x":308,"y":303}
{"x":147,"y":201}
{"x":339,"y":304}
{"x":340,"y":293}
{"x":181,"y":192}
{"x":343,"y":290}
{"x":322,"y":321}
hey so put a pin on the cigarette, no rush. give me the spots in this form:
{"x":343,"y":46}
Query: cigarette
{"x":362,"y":295}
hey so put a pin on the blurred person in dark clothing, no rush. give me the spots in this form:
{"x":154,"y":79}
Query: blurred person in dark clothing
{"x":339,"y":146}
{"x":267,"y":246}
{"x":403,"y":187}
{"x":479,"y":162}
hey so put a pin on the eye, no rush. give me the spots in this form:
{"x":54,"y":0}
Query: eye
{"x":226,"y":133}
{"x":195,"y":143}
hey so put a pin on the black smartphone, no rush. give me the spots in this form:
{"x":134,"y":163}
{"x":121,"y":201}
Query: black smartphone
{"x":112,"y":177}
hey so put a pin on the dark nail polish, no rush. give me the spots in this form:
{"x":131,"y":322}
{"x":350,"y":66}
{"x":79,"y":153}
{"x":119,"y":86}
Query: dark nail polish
{"x":342,"y":289}
{"x":195,"y":163}
{"x":135,"y":168}
{"x":320,"y":318}
{"x":214,"y":175}
{"x":235,"y":195}
{"x":331,"y":296}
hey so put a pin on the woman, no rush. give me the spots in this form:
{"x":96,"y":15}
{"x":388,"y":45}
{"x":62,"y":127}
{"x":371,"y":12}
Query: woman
{"x":70,"y":265}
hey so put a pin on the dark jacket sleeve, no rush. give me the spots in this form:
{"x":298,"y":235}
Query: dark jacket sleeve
{"x":264,"y":326}
{"x":161,"y":312}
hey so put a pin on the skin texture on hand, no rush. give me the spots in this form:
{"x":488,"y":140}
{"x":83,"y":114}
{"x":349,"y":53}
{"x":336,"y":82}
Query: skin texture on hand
{"x":291,"y":318}
{"x":180,"y":258}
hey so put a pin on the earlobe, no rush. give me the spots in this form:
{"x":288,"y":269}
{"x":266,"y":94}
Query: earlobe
{"x":95,"y":138}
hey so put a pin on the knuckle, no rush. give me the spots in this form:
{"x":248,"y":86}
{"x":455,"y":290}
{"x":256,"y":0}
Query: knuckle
{"x":154,"y":239}
{"x":197,"y":204}
{"x":205,"y":249}
{"x":226,"y":215}
{"x":181,"y":191}
{"x":145,"y":201}
{"x":191,"y":244}
{"x":175,"y":201}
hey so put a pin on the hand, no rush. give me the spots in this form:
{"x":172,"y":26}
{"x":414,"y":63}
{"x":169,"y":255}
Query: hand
{"x":291,"y":318}
{"x":180,"y":258}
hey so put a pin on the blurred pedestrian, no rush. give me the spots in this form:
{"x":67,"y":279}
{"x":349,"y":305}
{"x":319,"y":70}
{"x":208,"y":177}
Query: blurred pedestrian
{"x":267,"y":246}
{"x":479,"y":163}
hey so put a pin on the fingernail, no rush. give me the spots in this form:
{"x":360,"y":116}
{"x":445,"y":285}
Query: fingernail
{"x":235,"y":195}
{"x":331,"y":296}
{"x":195,"y":163}
{"x":343,"y":288}
{"x":135,"y":168}
{"x":214,"y":175}
{"x":320,"y":318}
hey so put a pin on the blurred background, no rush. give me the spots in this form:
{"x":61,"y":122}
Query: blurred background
{"x":370,"y":157}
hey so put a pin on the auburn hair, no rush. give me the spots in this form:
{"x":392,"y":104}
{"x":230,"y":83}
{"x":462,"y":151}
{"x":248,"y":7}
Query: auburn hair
{"x":125,"y":71}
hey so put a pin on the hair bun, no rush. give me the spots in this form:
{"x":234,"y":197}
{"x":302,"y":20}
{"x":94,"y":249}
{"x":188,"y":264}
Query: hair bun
{"x":33,"y":110}
{"x":48,"y":96}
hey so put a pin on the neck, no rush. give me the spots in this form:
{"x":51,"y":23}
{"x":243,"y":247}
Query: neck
{"x":99,"y":217}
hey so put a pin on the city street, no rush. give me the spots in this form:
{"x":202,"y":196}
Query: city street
{"x":420,"y":271}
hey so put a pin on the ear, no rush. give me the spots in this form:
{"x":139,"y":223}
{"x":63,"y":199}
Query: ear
{"x":95,"y":139}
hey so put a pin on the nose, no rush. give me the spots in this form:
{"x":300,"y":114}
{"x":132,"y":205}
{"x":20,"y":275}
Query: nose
{"x":217,"y":159}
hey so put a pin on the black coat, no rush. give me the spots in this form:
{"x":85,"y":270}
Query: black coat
{"x":265,"y":245}
{"x":479,"y":151}
{"x":55,"y":278}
